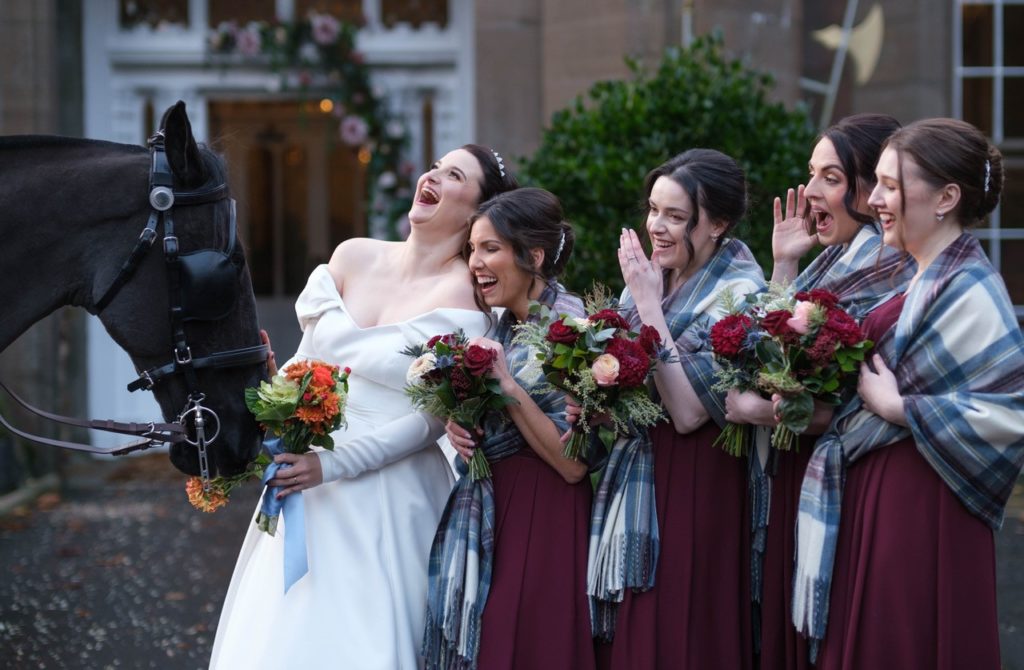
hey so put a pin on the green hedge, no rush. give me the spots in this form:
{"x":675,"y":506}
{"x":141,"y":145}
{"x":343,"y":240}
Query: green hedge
{"x":596,"y":153}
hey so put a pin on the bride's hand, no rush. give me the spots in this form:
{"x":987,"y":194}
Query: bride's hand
{"x":304,"y":473}
{"x":461,"y":439}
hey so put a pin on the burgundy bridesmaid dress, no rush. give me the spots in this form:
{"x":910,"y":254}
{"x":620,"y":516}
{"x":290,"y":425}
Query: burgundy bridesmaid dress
{"x":914,"y":583}
{"x":537,"y":614}
{"x":697,"y":616}
{"x":782,"y":647}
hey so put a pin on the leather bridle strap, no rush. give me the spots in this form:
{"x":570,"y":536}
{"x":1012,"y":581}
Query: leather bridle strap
{"x":152,"y":434}
{"x":224,"y":359}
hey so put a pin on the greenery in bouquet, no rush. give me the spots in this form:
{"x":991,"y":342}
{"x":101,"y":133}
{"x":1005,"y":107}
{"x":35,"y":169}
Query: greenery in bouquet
{"x":601,"y":363}
{"x":302,"y":406}
{"x":451,"y":379}
{"x":802,"y":347}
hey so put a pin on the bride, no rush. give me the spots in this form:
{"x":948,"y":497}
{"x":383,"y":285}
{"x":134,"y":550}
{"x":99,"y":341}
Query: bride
{"x":371,"y":505}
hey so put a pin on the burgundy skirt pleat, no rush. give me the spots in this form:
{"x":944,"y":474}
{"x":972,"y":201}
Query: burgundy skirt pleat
{"x":914,"y":584}
{"x":537,"y":613}
{"x":782,"y":648}
{"x":697,"y":616}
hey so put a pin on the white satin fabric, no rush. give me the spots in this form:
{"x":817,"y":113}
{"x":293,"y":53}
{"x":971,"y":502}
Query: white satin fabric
{"x":368,"y":529}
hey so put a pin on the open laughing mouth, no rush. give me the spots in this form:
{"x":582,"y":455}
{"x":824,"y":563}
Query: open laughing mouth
{"x":428,"y":196}
{"x":487,"y":283}
{"x":822,"y":220}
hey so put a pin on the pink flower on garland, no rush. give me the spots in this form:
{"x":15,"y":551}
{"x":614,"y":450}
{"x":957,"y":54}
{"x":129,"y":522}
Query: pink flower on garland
{"x":248,"y":41}
{"x":353,"y":130}
{"x":325,"y":28}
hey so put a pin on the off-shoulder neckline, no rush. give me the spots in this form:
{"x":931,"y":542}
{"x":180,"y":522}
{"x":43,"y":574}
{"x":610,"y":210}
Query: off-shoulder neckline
{"x":341,"y":300}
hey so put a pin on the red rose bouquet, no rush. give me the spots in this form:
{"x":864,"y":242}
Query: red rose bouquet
{"x":450,"y":379}
{"x":601,"y":363}
{"x":802,"y":347}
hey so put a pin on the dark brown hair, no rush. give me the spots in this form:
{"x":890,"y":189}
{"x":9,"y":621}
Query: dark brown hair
{"x":527,"y":219}
{"x":858,"y":141}
{"x":492,"y":165}
{"x":714,"y":182}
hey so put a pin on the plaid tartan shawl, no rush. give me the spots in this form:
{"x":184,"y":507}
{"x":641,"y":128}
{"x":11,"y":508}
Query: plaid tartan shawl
{"x":857,"y":273}
{"x":462,"y":553}
{"x":864,"y":273}
{"x":958,"y":356}
{"x":624,"y":539}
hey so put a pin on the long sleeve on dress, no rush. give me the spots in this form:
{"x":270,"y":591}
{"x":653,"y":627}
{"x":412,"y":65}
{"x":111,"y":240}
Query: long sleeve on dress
{"x":388,"y":444}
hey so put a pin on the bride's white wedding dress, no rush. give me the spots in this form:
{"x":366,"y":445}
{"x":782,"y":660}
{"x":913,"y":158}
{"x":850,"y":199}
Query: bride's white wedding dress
{"x":368,"y":527}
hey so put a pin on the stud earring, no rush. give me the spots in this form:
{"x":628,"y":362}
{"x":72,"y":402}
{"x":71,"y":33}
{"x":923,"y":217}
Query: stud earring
{"x":940,"y":215}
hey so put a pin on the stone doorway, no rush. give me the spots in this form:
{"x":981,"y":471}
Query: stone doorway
{"x":300,"y":194}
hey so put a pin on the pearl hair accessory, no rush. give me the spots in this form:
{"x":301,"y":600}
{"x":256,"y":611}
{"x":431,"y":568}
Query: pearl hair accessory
{"x":501,"y":163}
{"x":988,"y":174}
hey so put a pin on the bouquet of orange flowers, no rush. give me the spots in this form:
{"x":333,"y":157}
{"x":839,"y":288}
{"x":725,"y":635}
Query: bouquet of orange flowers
{"x":302,"y":406}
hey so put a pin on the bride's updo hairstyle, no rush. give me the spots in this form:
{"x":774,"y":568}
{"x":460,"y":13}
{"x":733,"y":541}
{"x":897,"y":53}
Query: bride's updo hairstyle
{"x":497,"y":177}
{"x":950,"y":151}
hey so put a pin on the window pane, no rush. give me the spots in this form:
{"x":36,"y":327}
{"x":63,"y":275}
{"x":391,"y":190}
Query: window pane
{"x":415,"y":12}
{"x":1011,"y":214}
{"x":241,"y":11}
{"x":1013,"y":107}
{"x":978,"y":102}
{"x":156,"y":13}
{"x":1013,"y":270}
{"x":346,"y":10}
{"x":977,"y":36}
{"x":1013,"y":28}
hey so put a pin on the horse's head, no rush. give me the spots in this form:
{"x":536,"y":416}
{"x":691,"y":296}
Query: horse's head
{"x":205,"y":302}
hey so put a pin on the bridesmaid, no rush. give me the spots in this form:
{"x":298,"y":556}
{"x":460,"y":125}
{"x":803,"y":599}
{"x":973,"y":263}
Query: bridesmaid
{"x":508,"y":563}
{"x":681,"y":547}
{"x":931,"y":447}
{"x":832,"y":210}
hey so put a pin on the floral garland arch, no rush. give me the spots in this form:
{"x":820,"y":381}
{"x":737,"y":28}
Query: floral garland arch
{"x":317,"y":56}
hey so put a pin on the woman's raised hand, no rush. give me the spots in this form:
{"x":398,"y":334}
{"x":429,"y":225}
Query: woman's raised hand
{"x":642,"y":276}
{"x":790,"y":240}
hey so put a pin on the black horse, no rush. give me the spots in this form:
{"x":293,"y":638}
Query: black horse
{"x":72,"y":214}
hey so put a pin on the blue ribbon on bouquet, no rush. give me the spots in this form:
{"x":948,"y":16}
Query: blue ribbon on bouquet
{"x":295,"y":560}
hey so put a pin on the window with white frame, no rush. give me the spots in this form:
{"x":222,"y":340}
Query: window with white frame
{"x":988,"y":91}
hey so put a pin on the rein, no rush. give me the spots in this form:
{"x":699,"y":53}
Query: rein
{"x":185,"y":272}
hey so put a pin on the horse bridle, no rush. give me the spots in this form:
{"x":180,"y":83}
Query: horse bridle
{"x":201,"y":288}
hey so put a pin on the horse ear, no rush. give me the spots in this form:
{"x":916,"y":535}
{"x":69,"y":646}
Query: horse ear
{"x":182,"y":152}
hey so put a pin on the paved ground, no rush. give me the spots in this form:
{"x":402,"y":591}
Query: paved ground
{"x":119,"y":571}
